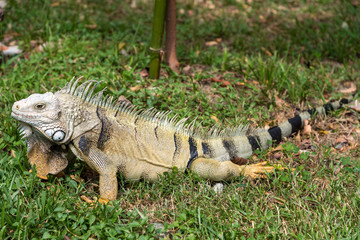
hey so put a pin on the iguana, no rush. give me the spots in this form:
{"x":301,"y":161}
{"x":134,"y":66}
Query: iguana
{"x":112,"y":137}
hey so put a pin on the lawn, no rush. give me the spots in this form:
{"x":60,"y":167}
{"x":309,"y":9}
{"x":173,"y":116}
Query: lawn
{"x":250,"y":62}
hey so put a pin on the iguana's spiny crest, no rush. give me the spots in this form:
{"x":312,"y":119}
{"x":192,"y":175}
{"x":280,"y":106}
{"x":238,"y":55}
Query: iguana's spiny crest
{"x":58,"y":126}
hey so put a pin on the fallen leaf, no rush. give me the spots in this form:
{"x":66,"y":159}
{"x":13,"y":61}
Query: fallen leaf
{"x":267,"y":52}
{"x":2,"y":48}
{"x":136,"y":88}
{"x":86,"y":199}
{"x":121,"y":45}
{"x":55,"y":4}
{"x":350,"y":88}
{"x":144,"y":73}
{"x":91,"y":26}
{"x":307,"y":128}
{"x":224,"y":83}
{"x":122,"y":98}
{"x":12,"y":153}
{"x":215,"y":118}
{"x":211,"y":43}
{"x":76,"y":178}
{"x":187,"y":70}
{"x":355,"y":105}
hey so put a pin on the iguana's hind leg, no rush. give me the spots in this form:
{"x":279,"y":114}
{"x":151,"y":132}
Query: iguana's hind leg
{"x":217,"y":171}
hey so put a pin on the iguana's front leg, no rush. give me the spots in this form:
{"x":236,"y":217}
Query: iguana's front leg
{"x":218,"y":171}
{"x":87,"y":151}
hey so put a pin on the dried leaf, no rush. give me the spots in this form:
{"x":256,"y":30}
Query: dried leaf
{"x":355,"y":105}
{"x":122,"y":98}
{"x":187,"y":70}
{"x":136,"y":88}
{"x":211,"y":43}
{"x":350,"y":88}
{"x":76,"y":178}
{"x":267,"y":52}
{"x":215,"y":118}
{"x":55,"y":4}
{"x":91,"y":26}
{"x":144,"y":73}
{"x":224,"y":83}
{"x":86,"y":199}
{"x":307,"y":128}
{"x":121,"y":45}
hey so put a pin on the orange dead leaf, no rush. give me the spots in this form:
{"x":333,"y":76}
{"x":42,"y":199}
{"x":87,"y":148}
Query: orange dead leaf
{"x":224,"y":83}
{"x":350,"y":88}
{"x":215,"y":118}
{"x":211,"y":43}
{"x":136,"y":88}
{"x":121,"y":45}
{"x":55,"y":4}
{"x":267,"y":52}
{"x":307,"y":128}
{"x":86,"y":199}
{"x":3,"y":48}
{"x":76,"y":178}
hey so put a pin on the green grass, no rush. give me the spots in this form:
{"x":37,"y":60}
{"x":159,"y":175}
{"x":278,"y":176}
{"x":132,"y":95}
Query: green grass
{"x":298,"y":51}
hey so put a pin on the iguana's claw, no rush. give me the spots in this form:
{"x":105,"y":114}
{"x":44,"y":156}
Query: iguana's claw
{"x":259,"y":170}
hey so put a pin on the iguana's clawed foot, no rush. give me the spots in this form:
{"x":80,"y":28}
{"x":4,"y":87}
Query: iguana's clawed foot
{"x":259,"y":170}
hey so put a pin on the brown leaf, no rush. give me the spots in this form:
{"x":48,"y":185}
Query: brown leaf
{"x":215,"y":118}
{"x":211,"y":43}
{"x":76,"y":178}
{"x":122,"y":98}
{"x":136,"y":88}
{"x":144,"y":73}
{"x":55,"y":4}
{"x":350,"y":88}
{"x":355,"y":105}
{"x":224,"y":83}
{"x":307,"y":128}
{"x":267,"y":52}
{"x":187,"y":70}
{"x":91,"y":26}
{"x":86,"y":199}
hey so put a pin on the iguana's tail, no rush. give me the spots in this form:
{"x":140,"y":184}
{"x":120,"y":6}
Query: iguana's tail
{"x":239,"y":147}
{"x":292,"y":125}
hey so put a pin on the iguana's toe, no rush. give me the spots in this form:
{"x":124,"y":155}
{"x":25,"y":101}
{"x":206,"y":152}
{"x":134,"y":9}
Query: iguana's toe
{"x":259,"y":170}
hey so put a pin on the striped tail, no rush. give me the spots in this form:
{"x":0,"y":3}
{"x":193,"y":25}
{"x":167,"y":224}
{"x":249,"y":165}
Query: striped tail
{"x":292,"y":125}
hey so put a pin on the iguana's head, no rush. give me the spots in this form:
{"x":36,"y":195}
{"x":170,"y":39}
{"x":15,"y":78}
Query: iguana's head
{"x":42,"y":112}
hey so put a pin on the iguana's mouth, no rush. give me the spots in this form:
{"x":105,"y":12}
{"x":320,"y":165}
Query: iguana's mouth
{"x":20,"y":116}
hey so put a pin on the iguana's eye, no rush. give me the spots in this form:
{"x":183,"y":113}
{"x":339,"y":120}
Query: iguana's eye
{"x":40,"y":106}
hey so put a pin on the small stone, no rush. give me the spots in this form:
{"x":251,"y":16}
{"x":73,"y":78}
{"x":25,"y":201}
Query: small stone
{"x":218,"y":188}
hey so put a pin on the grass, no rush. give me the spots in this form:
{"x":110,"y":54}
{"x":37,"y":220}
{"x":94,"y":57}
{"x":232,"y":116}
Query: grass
{"x":278,"y":56}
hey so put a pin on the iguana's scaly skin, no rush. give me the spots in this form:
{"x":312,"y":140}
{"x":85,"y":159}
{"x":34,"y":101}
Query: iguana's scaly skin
{"x":119,"y":137}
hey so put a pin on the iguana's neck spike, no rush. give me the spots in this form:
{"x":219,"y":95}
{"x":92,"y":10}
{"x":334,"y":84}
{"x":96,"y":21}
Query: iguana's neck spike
{"x":68,"y":85}
{"x":82,"y":95}
{"x":96,"y":99}
{"x":80,"y":89}
{"x":109,"y":102}
{"x":73,"y":87}
{"x":89,"y":96}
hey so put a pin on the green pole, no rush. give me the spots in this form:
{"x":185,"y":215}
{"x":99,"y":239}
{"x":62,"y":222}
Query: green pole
{"x":157,"y":33}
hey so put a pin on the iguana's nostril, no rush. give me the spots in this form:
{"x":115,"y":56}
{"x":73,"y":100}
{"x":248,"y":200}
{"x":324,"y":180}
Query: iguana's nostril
{"x":17,"y":107}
